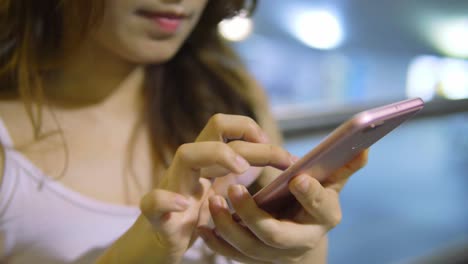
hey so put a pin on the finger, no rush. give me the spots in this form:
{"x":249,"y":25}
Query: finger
{"x":225,"y":128}
{"x":204,"y":214}
{"x":221,"y":247}
{"x":321,"y":203}
{"x":338,"y":179}
{"x":189,"y":159}
{"x":221,"y":185}
{"x":157,"y":204}
{"x":273,"y":232}
{"x":236,"y":235}
{"x":263,"y":155}
{"x":173,"y":227}
{"x":260,"y":155}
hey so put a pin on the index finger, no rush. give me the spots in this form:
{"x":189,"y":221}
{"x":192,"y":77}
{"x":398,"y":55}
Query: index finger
{"x":183,"y":175}
{"x":258,"y":155}
{"x":226,"y":128}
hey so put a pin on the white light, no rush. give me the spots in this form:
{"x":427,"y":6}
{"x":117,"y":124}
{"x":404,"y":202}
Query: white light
{"x":423,"y":77}
{"x":454,"y":79}
{"x":319,"y":29}
{"x":451,"y":37}
{"x":237,"y":28}
{"x":429,"y":75}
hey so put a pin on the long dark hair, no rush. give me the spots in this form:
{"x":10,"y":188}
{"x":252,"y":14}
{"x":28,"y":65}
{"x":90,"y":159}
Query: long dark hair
{"x":205,"y":77}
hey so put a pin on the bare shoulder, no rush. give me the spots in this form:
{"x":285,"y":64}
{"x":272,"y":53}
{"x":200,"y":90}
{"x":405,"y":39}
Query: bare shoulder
{"x":16,"y":120}
{"x":11,"y":117}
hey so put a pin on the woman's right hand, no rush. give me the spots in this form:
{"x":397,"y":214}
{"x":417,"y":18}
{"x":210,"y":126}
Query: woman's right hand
{"x":172,"y":211}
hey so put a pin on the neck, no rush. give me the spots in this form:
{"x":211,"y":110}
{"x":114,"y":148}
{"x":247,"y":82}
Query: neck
{"x":94,"y":77}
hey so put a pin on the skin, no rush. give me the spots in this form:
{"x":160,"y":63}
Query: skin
{"x":97,"y":90}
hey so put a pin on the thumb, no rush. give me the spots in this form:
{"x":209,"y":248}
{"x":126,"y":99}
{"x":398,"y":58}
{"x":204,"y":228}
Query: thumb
{"x":157,"y":205}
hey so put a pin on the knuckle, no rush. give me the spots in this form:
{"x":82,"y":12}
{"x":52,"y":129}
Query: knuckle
{"x":217,"y":121}
{"x":314,"y":242}
{"x":272,"y":149}
{"x":315,"y":195}
{"x":238,"y":146}
{"x":335,"y":218}
{"x":278,"y":150}
{"x":273,"y":238}
{"x":149,"y":203}
{"x":183,"y":152}
{"x":317,"y":201}
{"x":223,"y":155}
{"x":277,"y":153}
{"x":252,"y":125}
{"x":221,"y":151}
{"x":250,"y":122}
{"x":246,"y":212}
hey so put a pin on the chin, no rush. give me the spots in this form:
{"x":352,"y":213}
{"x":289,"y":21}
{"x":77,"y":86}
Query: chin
{"x":155,"y":53}
{"x":153,"y":59}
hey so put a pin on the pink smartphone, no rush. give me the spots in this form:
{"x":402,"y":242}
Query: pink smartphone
{"x":337,"y":149}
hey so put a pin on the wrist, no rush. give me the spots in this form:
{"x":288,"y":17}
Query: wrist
{"x":138,"y":245}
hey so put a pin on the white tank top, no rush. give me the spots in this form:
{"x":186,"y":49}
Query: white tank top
{"x":42,"y":221}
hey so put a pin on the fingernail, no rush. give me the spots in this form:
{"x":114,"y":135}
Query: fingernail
{"x":301,"y":185}
{"x":217,"y":202}
{"x":238,"y":191}
{"x":242,"y":163}
{"x":182,"y":202}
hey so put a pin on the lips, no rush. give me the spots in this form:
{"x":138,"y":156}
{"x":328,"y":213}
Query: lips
{"x":168,"y":22}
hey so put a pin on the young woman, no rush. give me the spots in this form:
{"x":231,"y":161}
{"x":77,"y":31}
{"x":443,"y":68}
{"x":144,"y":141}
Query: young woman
{"x":125,"y":125}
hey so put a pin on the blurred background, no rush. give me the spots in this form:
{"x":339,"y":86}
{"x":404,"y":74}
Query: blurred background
{"x":323,"y":61}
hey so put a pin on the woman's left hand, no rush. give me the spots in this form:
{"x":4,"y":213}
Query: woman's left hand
{"x":265,"y":239}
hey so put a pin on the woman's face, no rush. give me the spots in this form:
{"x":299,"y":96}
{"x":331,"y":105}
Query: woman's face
{"x":147,"y":31}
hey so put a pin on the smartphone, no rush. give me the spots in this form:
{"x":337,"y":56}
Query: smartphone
{"x":336,"y":150}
